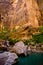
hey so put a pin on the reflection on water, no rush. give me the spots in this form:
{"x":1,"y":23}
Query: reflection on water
{"x":32,"y":59}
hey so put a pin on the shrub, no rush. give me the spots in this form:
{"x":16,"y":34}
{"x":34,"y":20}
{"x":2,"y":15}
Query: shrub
{"x":4,"y":34}
{"x":41,"y":29}
{"x":13,"y":41}
{"x":26,"y":42}
{"x":38,"y":38}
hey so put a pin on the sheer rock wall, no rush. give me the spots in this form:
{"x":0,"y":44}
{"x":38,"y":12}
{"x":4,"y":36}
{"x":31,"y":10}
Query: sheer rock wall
{"x":19,"y":12}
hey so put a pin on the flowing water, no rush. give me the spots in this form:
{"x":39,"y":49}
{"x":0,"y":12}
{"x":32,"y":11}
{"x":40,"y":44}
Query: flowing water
{"x":32,"y":59}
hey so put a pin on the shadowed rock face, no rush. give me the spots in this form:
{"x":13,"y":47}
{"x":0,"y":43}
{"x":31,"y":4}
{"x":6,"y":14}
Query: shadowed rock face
{"x":19,"y":12}
{"x":5,"y":6}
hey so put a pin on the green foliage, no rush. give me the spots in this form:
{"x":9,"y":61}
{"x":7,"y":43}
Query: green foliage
{"x":41,"y":29}
{"x":4,"y":33}
{"x":13,"y":41}
{"x":38,"y":38}
{"x":26,"y":42}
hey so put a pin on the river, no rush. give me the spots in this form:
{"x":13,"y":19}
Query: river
{"x":32,"y":59}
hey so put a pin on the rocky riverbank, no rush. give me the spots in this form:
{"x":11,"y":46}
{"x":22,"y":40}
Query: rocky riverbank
{"x":10,"y":53}
{"x":8,"y":58}
{"x":21,"y":48}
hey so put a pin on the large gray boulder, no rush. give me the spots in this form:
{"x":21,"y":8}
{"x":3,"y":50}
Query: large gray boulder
{"x":8,"y":58}
{"x":3,"y":58}
{"x":20,"y":48}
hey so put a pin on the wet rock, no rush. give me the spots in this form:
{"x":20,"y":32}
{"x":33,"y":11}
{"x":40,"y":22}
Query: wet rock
{"x":20,"y":48}
{"x":8,"y":58}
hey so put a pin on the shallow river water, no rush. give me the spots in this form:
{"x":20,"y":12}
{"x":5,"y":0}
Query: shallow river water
{"x":32,"y":59}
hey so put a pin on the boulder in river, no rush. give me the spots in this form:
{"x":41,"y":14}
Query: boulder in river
{"x":8,"y":58}
{"x":20,"y":48}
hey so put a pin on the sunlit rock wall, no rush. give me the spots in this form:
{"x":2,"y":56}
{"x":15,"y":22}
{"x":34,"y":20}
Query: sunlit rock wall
{"x":40,"y":4}
{"x":19,"y":12}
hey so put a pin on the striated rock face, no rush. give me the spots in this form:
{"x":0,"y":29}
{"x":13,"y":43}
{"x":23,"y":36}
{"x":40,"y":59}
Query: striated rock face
{"x":5,"y":6}
{"x":40,"y":3}
{"x":26,"y":12}
{"x":33,"y":11}
{"x":19,"y":12}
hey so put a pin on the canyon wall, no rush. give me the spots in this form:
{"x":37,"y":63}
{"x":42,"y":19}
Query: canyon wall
{"x":40,"y":4}
{"x":18,"y":13}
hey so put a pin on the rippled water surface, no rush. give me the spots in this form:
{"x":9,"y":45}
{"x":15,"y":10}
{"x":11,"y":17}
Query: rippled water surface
{"x":32,"y":59}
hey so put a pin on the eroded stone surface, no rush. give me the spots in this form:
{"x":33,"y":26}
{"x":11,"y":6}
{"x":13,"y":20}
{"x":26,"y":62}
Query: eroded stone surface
{"x":19,"y":12}
{"x":20,"y":48}
{"x":8,"y":58}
